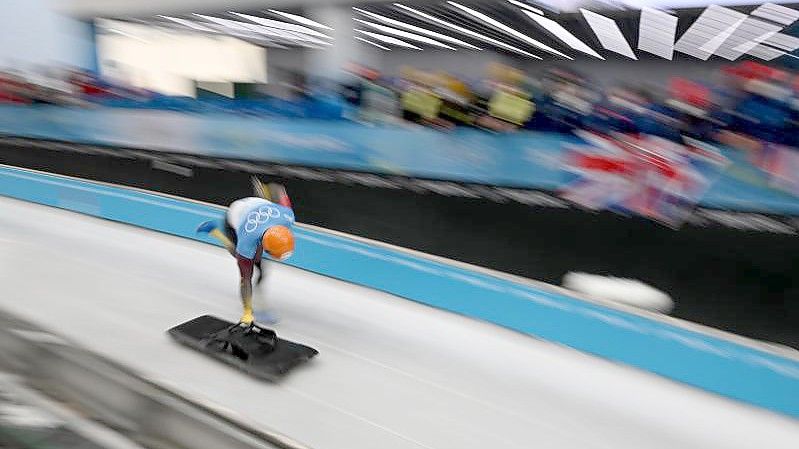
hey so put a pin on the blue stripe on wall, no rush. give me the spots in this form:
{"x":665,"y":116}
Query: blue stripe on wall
{"x":728,"y":368}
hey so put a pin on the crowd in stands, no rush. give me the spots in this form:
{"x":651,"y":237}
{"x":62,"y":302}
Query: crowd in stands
{"x":70,"y":87}
{"x":745,"y":103}
{"x":16,"y":88}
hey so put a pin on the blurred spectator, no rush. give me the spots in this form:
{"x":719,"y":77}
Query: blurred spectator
{"x":749,"y":106}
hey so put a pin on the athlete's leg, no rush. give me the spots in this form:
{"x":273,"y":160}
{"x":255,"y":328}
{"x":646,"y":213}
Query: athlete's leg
{"x":259,"y":189}
{"x":245,"y":288}
{"x":273,"y":192}
{"x":279,"y":194}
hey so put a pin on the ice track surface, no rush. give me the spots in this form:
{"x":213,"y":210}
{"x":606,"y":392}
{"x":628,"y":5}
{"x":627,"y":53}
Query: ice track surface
{"x":391,"y":373}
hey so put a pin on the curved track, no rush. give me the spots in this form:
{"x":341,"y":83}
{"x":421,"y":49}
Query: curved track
{"x":391,"y":373}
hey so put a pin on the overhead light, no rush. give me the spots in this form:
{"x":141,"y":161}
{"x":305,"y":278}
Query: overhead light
{"x":286,"y":34}
{"x":783,"y":42}
{"x":250,"y":36}
{"x":417,"y":29}
{"x":126,"y":34}
{"x":766,"y":53}
{"x":746,"y":46}
{"x":656,"y":33}
{"x":745,"y":36}
{"x":372,"y":43}
{"x":777,"y":13}
{"x":563,"y":34}
{"x":709,"y":31}
{"x":757,"y":38}
{"x":526,"y":6}
{"x":507,"y":30}
{"x":276,"y":33}
{"x":405,"y":34}
{"x":753,"y":35}
{"x":294,"y":35}
{"x":301,"y":19}
{"x":716,"y":41}
{"x":189,"y":24}
{"x":608,"y":33}
{"x":248,"y":27}
{"x":281,"y":25}
{"x":226,"y":22}
{"x":240,"y":26}
{"x":467,"y":32}
{"x":388,"y":39}
{"x":242,"y":31}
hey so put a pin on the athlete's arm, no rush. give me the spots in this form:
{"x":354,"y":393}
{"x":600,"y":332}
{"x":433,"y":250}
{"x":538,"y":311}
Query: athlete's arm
{"x":213,"y":228}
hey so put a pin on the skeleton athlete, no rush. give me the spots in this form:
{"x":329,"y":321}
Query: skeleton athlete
{"x":253,"y":226}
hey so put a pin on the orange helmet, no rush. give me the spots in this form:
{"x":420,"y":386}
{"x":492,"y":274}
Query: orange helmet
{"x":278,"y":241}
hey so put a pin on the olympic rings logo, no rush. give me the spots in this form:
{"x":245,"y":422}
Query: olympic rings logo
{"x":257,"y":217}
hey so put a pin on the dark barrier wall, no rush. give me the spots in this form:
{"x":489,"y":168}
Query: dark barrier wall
{"x":744,"y":281}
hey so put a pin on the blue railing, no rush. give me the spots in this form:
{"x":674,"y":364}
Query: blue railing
{"x":323,"y":108}
{"x":718,"y":365}
{"x":524,"y":159}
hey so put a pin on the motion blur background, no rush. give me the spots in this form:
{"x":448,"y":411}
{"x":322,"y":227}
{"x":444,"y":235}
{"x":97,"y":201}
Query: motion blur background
{"x":653,"y":140}
{"x":656,"y":144}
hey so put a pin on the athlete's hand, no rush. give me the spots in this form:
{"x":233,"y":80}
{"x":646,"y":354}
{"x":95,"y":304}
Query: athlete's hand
{"x":206,"y":227}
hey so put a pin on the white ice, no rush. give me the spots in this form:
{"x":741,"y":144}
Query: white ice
{"x":391,"y":373}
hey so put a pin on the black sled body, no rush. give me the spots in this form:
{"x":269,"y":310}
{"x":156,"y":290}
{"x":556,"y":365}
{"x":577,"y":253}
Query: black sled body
{"x":253,"y":349}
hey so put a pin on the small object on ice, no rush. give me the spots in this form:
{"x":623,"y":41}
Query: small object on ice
{"x":626,"y":291}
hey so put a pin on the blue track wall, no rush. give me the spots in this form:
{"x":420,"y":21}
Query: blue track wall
{"x":711,"y":363}
{"x":523,"y":159}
